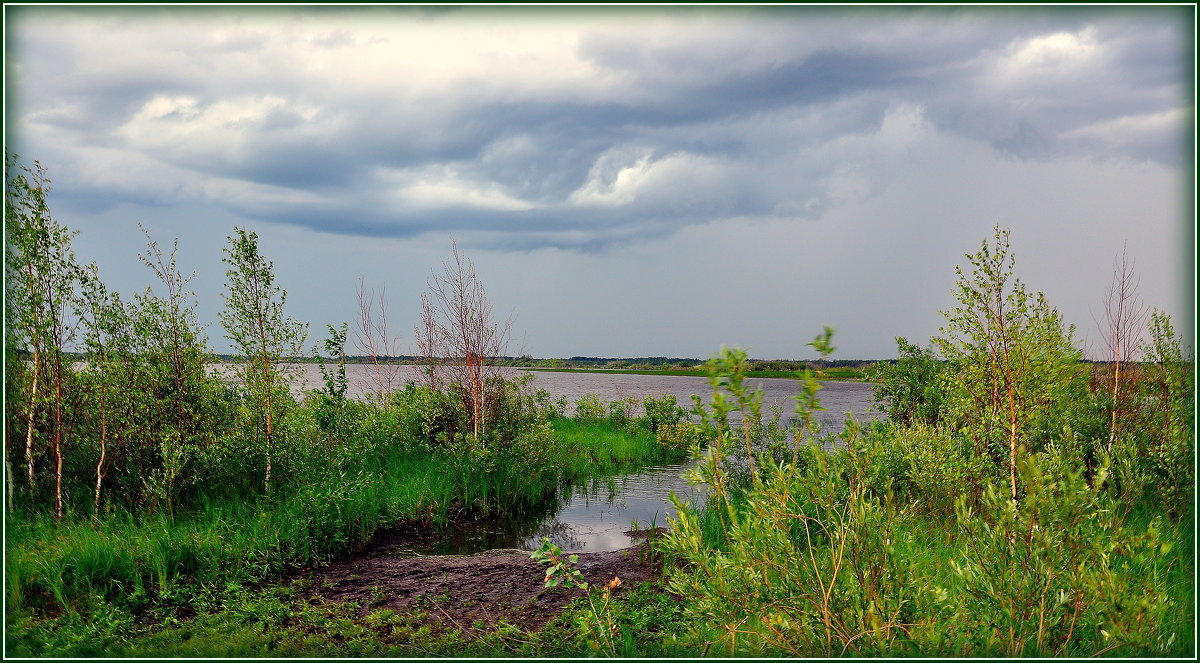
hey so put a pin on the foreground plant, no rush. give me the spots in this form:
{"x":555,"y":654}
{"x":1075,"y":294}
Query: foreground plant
{"x":1061,"y":573}
{"x":1014,"y":355}
{"x":562,"y":571}
{"x":41,"y":286}
{"x":262,"y":334}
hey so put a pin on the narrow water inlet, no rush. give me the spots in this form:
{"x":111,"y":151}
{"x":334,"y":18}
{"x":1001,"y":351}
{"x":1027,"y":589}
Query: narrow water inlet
{"x":597,"y":516}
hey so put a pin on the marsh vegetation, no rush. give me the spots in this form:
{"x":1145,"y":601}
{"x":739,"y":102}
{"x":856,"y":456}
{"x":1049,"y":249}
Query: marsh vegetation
{"x":1015,"y":501}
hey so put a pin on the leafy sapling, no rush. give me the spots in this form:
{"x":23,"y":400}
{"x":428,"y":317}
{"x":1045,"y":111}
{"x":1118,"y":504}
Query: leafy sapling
{"x":562,"y":571}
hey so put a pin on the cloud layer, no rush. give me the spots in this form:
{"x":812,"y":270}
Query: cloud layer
{"x":618,"y":171}
{"x":570,"y":128}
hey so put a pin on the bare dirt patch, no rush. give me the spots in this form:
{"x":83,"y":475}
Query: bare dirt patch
{"x":462,"y":591}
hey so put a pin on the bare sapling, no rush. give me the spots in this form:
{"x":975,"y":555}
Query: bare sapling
{"x":1124,"y":319}
{"x":429,"y":341}
{"x":371,"y":336}
{"x":460,"y":316}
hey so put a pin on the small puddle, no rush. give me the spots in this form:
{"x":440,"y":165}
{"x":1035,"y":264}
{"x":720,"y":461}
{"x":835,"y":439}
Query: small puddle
{"x":594,"y":517}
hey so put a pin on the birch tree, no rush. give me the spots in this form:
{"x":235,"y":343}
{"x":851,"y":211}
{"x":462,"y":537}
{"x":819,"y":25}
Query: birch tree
{"x":107,"y":342}
{"x":262,"y":334}
{"x":41,"y":285}
{"x":457,"y":320}
{"x":172,"y":346}
{"x":1012,"y":352}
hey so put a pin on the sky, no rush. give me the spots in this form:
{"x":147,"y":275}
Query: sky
{"x":628,"y":182}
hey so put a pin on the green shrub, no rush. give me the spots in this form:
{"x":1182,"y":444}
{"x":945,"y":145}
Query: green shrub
{"x":910,"y":390}
{"x":809,"y":567}
{"x":663,"y":410}
{"x":589,"y":407}
{"x":680,"y":437}
{"x":938,"y":466}
{"x":1058,"y":572}
{"x":621,"y":410}
{"x":552,"y":407}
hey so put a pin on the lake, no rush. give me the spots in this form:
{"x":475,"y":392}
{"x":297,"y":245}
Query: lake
{"x":838,"y":398}
{"x":595,"y":516}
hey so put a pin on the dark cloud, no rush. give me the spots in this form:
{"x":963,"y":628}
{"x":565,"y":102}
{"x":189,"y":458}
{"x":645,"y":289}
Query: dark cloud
{"x":757,"y":114}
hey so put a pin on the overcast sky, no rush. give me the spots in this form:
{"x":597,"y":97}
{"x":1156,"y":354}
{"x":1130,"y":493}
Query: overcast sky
{"x":628,"y":182}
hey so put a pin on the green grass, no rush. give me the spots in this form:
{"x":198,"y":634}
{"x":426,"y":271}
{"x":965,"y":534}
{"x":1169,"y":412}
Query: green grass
{"x":62,"y":570}
{"x":602,"y":443}
{"x":274,"y":622}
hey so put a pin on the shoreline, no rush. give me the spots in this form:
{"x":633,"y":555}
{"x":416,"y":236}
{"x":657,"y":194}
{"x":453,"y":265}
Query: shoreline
{"x":700,"y":373}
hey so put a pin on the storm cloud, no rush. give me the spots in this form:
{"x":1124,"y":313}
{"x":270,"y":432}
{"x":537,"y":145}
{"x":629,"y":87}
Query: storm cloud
{"x":590,"y":132}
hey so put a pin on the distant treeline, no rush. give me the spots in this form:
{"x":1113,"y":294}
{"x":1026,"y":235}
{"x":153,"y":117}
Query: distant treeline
{"x":526,"y":361}
{"x":648,"y":363}
{"x":637,"y":363}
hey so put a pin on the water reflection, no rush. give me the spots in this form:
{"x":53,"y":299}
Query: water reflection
{"x":598,"y":515}
{"x":595,"y":517}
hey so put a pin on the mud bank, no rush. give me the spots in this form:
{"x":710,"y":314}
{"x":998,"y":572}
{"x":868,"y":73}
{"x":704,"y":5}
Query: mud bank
{"x":462,"y":591}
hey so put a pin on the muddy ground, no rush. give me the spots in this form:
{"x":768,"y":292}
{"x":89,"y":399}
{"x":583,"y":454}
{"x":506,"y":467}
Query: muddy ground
{"x":462,"y":591}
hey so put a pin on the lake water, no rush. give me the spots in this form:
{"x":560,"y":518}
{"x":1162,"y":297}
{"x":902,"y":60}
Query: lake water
{"x":596,"y":517}
{"x":838,"y":398}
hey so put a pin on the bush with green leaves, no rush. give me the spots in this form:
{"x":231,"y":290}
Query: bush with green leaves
{"x":428,"y":416}
{"x":621,"y":411}
{"x":553,"y":407}
{"x":1059,"y":573}
{"x":808,"y":565}
{"x":682,"y":437}
{"x":1168,"y":388}
{"x":1014,"y":359}
{"x":911,"y":389}
{"x":589,"y":407}
{"x":932,"y":464}
{"x":662,"y":410}
{"x":511,"y":409}
{"x":738,"y":444}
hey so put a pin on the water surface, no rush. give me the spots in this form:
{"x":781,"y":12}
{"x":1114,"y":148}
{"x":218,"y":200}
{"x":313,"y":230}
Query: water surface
{"x":596,"y":516}
{"x":837,"y":397}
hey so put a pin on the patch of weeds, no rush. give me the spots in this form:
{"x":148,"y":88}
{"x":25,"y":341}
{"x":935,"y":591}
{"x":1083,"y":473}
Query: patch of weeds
{"x":380,"y":619}
{"x":88,"y":631}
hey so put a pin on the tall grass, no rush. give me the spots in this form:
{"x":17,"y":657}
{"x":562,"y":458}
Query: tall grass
{"x":906,"y":537}
{"x":598,"y":443}
{"x":825,"y":558}
{"x":382,"y":481}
